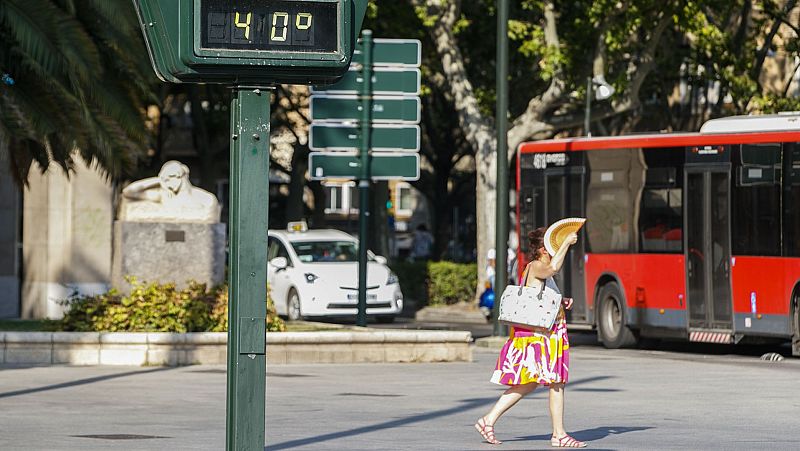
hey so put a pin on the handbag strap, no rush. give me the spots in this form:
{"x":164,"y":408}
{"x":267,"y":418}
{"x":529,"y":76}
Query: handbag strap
{"x":524,"y":279}
{"x":525,"y":282}
{"x":541,"y":291}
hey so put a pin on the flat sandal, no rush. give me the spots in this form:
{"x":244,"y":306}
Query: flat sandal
{"x":566,"y":442}
{"x":487,"y":431}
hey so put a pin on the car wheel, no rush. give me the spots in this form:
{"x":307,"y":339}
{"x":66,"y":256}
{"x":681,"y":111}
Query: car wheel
{"x":611,"y":322}
{"x":387,"y":319}
{"x":293,"y":311}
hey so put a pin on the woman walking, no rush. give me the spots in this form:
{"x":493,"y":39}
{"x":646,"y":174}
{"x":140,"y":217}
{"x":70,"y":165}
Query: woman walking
{"x":536,"y":357}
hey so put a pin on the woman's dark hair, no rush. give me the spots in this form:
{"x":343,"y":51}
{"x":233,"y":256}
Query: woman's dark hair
{"x":535,"y":243}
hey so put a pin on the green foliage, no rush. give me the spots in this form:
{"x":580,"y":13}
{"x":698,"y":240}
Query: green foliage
{"x":771,"y":103}
{"x":437,"y":283}
{"x":219,"y":313}
{"x":28,"y":325}
{"x":156,"y":308}
{"x":451,"y":283}
{"x":707,"y":46}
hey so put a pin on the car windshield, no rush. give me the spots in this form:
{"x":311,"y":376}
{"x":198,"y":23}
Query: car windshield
{"x":326,"y":251}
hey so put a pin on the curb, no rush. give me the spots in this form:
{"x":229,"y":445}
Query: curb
{"x":450,"y":315}
{"x":210,"y":348}
{"x":491,"y":342}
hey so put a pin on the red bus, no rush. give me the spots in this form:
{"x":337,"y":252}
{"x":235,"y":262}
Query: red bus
{"x":694,"y":236}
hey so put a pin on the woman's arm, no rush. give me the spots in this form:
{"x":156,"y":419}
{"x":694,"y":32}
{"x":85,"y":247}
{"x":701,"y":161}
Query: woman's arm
{"x":543,"y":270}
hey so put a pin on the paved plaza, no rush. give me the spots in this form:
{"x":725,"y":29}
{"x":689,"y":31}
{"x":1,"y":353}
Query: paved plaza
{"x":629,"y":399}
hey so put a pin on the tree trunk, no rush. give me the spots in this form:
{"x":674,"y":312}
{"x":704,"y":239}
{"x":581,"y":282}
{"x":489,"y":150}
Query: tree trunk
{"x":479,"y":133}
{"x":486,"y":208}
{"x":539,"y":120}
{"x":295,"y":207}
{"x":318,"y":215}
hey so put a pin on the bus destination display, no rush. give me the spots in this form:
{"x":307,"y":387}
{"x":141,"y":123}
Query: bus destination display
{"x":283,"y":25}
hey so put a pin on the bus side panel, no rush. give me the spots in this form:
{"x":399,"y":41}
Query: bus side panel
{"x":651,"y":283}
{"x":762,"y":286}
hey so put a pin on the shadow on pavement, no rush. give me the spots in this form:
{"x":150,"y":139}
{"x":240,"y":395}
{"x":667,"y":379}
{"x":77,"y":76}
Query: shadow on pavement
{"x":465,"y":404}
{"x":588,"y":435}
{"x":88,"y":380}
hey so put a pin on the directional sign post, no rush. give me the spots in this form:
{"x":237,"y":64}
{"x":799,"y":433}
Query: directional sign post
{"x":385,"y":81}
{"x":391,"y":52}
{"x":391,"y":110}
{"x":383,"y":166}
{"x":371,"y":115}
{"x":385,"y":137}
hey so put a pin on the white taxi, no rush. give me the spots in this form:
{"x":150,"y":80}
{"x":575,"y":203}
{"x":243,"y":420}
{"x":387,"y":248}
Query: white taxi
{"x":315,"y":273}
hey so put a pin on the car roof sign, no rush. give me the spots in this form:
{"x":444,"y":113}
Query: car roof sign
{"x":297,"y":226}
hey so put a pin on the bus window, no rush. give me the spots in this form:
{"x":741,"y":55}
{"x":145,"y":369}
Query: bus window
{"x":756,"y":200}
{"x":616,"y":180}
{"x":791,"y":201}
{"x":660,"y":220}
{"x":661,"y":211}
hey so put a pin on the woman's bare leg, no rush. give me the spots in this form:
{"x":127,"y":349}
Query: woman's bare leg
{"x":507,"y":401}
{"x":557,"y":409}
{"x":560,"y":436}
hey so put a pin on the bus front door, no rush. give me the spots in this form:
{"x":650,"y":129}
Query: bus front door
{"x":707,"y":247}
{"x":564,"y":198}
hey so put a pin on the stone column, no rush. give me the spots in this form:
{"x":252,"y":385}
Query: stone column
{"x":67,"y":224}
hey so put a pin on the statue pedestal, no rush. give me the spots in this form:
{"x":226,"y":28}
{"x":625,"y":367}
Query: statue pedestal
{"x":168,"y":252}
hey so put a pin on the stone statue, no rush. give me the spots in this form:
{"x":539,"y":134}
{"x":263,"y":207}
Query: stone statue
{"x":170,"y":197}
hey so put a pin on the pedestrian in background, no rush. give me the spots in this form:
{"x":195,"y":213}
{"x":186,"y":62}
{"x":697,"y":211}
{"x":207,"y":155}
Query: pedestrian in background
{"x":490,"y":271}
{"x":421,"y":244}
{"x":486,"y":299}
{"x":536,"y":357}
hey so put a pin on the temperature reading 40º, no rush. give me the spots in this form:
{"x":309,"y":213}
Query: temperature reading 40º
{"x":304,"y":26}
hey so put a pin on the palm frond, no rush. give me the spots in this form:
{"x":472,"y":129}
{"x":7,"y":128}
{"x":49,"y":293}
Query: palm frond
{"x":33,"y":24}
{"x":83,"y":83}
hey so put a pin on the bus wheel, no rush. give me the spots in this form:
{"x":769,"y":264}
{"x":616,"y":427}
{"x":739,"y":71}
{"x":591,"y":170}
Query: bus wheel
{"x":612,"y":326}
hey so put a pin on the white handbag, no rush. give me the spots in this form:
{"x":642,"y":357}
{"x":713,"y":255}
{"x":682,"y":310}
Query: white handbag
{"x":530,"y":307}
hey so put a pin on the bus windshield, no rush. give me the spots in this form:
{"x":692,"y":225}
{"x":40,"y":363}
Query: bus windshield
{"x":326,"y":251}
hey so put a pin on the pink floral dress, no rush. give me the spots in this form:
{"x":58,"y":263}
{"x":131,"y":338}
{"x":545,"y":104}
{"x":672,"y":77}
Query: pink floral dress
{"x":535,"y":356}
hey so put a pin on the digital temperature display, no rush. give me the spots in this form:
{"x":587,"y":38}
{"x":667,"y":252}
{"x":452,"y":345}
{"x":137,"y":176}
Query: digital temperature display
{"x":282,"y":25}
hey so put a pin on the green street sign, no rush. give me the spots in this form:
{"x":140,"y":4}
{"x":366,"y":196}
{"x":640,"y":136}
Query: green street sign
{"x":385,"y":80}
{"x":392,"y":52}
{"x":242,"y":41}
{"x":384,"y":166}
{"x":348,"y":108}
{"x":333,"y":136}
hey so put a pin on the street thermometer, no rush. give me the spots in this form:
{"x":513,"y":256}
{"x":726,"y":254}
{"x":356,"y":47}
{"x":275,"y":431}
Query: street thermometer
{"x":250,"y":45}
{"x":250,"y":41}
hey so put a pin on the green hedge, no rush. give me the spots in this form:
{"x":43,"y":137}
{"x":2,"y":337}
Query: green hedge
{"x":450,"y":283}
{"x":156,"y":308}
{"x":413,"y":278}
{"x":437,"y":283}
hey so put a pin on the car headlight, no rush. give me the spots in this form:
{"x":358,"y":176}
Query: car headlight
{"x":311,"y":277}
{"x":392,"y":278}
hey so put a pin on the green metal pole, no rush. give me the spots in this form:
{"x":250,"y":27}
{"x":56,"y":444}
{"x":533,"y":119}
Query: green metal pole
{"x":364,"y":178}
{"x":501,"y":121}
{"x":247,"y":306}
